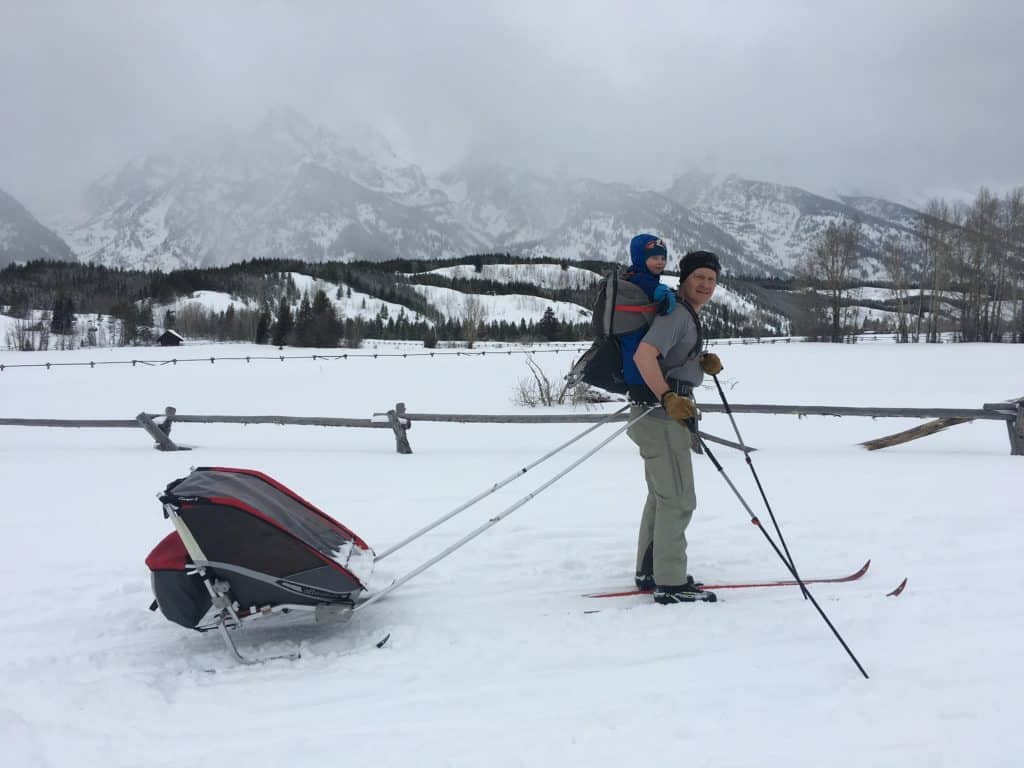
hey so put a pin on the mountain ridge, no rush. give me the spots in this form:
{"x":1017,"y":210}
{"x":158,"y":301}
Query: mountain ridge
{"x":287,"y":188}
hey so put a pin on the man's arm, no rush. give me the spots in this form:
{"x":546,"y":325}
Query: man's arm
{"x":646,"y":359}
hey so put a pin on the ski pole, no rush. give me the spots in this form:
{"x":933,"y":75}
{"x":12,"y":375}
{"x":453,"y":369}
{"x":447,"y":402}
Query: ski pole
{"x":484,"y":494}
{"x":789,"y":566}
{"x":750,"y":463}
{"x":499,"y":517}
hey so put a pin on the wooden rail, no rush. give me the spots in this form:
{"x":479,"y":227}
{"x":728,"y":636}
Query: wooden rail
{"x":399,"y":421}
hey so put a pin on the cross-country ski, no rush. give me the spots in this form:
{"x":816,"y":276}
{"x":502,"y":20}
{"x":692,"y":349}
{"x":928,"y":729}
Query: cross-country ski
{"x":747,"y":585}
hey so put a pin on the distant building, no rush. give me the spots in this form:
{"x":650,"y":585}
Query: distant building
{"x":170,"y":339}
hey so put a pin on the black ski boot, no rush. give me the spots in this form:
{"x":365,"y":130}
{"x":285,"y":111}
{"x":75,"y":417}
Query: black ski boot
{"x":685,"y":593}
{"x":645,"y":582}
{"x":645,"y":573}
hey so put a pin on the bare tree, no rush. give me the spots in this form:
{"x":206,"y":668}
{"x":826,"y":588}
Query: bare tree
{"x":1010,"y":291}
{"x":539,"y":390}
{"x":1013,"y":218}
{"x":43,"y":330}
{"x":473,"y":316}
{"x":986,"y":261}
{"x":896,"y":262}
{"x":935,"y":232}
{"x":20,"y":336}
{"x":828,"y":268}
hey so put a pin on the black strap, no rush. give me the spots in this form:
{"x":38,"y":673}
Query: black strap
{"x":700,"y":329}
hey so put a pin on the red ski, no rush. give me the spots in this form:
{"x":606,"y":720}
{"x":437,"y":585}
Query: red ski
{"x":896,"y":592}
{"x":751,"y":585}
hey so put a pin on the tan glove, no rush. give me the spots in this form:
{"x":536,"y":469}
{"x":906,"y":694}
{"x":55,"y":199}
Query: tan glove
{"x":678,"y":407}
{"x":711,"y":363}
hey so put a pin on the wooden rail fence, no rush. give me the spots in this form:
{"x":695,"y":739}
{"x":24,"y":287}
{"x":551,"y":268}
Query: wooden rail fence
{"x":399,"y":421}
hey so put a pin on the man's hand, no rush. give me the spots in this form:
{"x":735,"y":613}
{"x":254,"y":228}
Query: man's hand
{"x":665,"y":298}
{"x":711,"y":363}
{"x":678,"y":407}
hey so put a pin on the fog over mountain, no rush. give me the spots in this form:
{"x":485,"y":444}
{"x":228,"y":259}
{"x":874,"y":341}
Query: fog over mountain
{"x":23,"y":238}
{"x":892,"y":100}
{"x":287,"y":188}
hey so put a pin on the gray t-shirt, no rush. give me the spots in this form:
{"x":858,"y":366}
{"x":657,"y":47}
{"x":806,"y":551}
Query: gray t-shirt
{"x":674,"y":336}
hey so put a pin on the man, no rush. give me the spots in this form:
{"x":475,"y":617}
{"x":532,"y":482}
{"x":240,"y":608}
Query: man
{"x":671,"y":364}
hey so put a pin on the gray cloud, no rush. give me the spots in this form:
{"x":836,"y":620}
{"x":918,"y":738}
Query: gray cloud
{"x":897,"y":99}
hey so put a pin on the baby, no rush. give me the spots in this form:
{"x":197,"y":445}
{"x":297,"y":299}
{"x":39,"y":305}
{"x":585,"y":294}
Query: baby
{"x":648,"y":256}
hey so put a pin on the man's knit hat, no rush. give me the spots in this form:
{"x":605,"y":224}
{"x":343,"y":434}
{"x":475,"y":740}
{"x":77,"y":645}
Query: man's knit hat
{"x":643,"y":247}
{"x":697,"y":259}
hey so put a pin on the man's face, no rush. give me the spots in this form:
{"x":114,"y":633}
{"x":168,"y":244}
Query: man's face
{"x":699,"y":286}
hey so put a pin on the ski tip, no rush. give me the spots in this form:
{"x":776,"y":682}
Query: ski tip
{"x":383,"y":641}
{"x":898,"y":591}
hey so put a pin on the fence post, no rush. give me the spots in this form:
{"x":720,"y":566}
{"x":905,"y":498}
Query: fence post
{"x":399,"y":424}
{"x":1016,"y":429}
{"x":163,"y":442}
{"x":169,"y":412}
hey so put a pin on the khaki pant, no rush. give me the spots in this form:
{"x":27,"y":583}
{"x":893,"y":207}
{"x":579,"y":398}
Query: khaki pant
{"x":665,"y":448}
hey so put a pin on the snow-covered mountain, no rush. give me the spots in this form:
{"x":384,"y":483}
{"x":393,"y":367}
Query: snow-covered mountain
{"x":23,"y":238}
{"x":778,"y":225}
{"x":291,"y":189}
{"x":604,"y":216}
{"x":285,"y":189}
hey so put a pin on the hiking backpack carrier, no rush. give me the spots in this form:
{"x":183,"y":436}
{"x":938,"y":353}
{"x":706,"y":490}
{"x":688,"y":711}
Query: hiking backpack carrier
{"x":621,"y":309}
{"x":621,"y":316}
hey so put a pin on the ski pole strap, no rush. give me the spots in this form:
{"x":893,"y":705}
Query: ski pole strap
{"x":680,"y":387}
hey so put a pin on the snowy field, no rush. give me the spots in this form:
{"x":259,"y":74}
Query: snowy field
{"x":494,"y":657}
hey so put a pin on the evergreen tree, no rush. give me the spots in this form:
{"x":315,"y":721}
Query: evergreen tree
{"x":285,"y":323}
{"x":549,"y":327}
{"x":62,"y":318}
{"x":304,"y":322}
{"x":263,"y":327}
{"x":144,"y":330}
{"x":325,"y":329}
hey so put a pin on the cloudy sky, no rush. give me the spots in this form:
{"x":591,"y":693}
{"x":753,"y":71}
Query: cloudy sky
{"x":905,"y":99}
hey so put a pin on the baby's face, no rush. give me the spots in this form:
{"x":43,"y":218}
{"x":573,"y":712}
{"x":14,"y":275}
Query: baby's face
{"x":656,"y":264}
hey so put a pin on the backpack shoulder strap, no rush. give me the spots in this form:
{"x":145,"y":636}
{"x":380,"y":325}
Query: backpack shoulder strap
{"x":611,"y":295}
{"x":700,"y":330}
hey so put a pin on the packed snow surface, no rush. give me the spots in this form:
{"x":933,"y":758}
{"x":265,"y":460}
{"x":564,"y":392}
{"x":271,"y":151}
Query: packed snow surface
{"x":495,"y":658}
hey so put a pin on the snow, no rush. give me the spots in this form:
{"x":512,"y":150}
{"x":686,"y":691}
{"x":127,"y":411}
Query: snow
{"x":510,"y":307}
{"x":357,"y":304}
{"x":211,"y":301}
{"x":548,"y":275}
{"x":494,"y":658}
{"x":7,"y":233}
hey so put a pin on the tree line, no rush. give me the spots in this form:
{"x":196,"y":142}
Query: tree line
{"x":959,"y":271}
